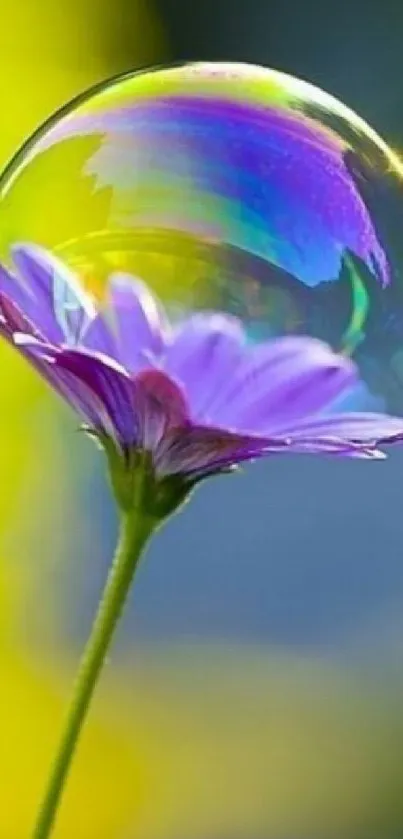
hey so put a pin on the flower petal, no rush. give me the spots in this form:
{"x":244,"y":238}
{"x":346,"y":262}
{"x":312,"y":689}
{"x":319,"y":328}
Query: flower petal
{"x":14,"y":291}
{"x":84,"y":401}
{"x":113,"y":387}
{"x":160,"y":406}
{"x":98,"y":337}
{"x":281,"y":382}
{"x":38,"y":318}
{"x":361,"y":428}
{"x":13,"y":320}
{"x":203,"y":355}
{"x":136,"y":322}
{"x":199,"y":450}
{"x":102,"y":377}
{"x":55,"y":301}
{"x":335,"y":446}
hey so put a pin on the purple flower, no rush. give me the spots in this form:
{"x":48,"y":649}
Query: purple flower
{"x":194,"y":396}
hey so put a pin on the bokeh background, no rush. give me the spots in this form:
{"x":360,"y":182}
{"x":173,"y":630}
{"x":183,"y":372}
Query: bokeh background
{"x":256,"y":687}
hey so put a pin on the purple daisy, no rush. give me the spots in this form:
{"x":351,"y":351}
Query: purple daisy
{"x":195,"y":395}
{"x":170,"y":404}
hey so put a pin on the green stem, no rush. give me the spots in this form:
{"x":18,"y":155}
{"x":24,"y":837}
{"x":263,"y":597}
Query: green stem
{"x":135,"y":530}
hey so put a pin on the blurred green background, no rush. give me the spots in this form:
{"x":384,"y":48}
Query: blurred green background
{"x":255,"y":691}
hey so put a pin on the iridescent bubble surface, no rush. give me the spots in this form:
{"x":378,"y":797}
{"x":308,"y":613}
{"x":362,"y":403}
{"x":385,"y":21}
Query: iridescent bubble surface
{"x":230,"y":187}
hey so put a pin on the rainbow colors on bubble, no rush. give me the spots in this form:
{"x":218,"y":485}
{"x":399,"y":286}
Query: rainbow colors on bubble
{"x":229,"y":187}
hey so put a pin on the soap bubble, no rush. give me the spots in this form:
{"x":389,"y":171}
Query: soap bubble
{"x":228,"y":187}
